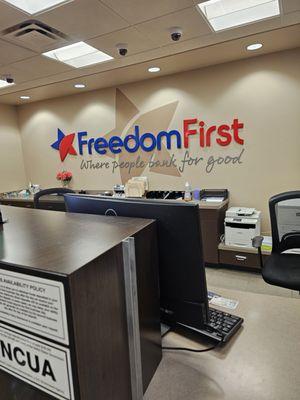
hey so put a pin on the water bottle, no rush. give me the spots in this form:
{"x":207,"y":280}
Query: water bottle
{"x":188,"y":192}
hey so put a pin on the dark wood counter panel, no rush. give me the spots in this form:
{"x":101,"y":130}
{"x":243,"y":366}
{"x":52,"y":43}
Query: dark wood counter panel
{"x":85,"y":255}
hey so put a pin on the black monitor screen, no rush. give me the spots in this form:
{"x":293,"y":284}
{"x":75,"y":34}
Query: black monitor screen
{"x":182,"y":275}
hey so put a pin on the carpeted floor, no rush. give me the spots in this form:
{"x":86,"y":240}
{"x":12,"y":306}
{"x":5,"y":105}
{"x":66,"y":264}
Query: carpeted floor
{"x":245,"y":281}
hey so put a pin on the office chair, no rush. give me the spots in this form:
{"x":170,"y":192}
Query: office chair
{"x":45,"y":192}
{"x":282,"y":269}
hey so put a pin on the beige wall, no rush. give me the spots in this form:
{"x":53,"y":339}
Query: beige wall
{"x":263,"y":92}
{"x":12,"y":175}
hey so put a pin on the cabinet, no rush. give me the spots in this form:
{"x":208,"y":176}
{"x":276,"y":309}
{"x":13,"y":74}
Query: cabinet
{"x":240,"y":256}
{"x":212,"y":228}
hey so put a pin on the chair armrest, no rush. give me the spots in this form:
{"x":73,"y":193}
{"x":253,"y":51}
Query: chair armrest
{"x":257,"y":241}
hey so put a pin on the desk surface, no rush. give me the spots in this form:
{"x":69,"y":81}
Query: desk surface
{"x":261,"y":362}
{"x":60,"y":199}
{"x":15,"y":199}
{"x":241,"y":249}
{"x":60,"y":242}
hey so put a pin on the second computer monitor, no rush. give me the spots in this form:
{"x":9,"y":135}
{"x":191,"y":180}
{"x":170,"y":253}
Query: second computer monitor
{"x":181,"y":269}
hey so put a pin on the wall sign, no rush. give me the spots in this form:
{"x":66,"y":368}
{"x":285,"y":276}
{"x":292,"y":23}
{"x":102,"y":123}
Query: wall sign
{"x":150,"y":136}
{"x":37,"y":362}
{"x":224,"y":135}
{"x":35,"y":304}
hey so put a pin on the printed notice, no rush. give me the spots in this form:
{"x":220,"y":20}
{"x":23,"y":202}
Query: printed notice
{"x":35,"y":304}
{"x":37,"y":362}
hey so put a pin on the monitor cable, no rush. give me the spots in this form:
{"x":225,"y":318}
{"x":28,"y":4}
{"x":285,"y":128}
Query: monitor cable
{"x":167,"y":348}
{"x":192,"y":350}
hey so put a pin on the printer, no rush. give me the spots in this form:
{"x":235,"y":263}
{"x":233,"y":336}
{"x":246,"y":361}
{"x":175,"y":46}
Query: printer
{"x":241,"y":226}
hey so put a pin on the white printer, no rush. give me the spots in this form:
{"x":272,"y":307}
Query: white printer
{"x":241,"y":225}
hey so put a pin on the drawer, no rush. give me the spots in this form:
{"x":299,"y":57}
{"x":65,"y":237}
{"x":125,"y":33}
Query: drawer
{"x":239,"y":258}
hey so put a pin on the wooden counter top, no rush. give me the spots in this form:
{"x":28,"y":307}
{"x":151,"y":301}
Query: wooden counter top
{"x":48,"y":198}
{"x":60,"y":242}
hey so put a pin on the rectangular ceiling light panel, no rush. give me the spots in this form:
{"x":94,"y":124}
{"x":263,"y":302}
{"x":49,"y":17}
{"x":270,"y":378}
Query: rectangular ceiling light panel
{"x":226,"y":14}
{"x":78,"y":55}
{"x":35,"y":6}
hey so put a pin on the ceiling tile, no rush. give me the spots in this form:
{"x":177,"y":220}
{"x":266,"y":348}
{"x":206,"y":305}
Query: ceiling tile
{"x":277,"y":40}
{"x":34,"y":68}
{"x":136,"y":11}
{"x":10,"y":16}
{"x":83,"y":19}
{"x":189,"y":20}
{"x":136,"y":42}
{"x":9,"y":53}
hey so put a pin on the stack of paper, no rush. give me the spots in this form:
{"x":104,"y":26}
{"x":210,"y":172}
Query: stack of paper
{"x":267,"y":243}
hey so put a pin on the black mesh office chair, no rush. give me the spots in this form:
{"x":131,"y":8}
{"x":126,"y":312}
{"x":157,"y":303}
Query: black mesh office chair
{"x":281,"y":268}
{"x":45,"y":192}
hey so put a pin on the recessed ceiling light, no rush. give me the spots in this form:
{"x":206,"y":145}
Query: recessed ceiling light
{"x":34,"y":6}
{"x":24,"y":97}
{"x":154,"y":69}
{"x":224,"y":14}
{"x":254,"y":46}
{"x":78,"y":55}
{"x":79,"y":86}
{"x":4,"y":84}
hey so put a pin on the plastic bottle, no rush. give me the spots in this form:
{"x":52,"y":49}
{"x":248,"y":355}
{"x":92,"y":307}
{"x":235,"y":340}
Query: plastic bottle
{"x":188,"y":192}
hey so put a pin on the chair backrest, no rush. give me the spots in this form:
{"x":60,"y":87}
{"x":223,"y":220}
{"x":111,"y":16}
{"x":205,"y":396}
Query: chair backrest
{"x":285,"y":220}
{"x":45,"y":192}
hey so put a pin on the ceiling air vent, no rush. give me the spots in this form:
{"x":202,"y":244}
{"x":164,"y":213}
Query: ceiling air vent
{"x":35,"y":35}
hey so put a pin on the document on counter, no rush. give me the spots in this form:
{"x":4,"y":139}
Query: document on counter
{"x":223,"y":302}
{"x":211,"y":295}
{"x":214,"y":199}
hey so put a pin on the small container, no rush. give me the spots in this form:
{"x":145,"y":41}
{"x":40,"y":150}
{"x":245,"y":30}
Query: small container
{"x":196,"y":194}
{"x":188,"y":192}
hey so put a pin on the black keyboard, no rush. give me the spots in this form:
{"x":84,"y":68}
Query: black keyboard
{"x":221,"y":325}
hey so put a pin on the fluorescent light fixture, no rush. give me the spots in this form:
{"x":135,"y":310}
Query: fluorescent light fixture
{"x":226,"y":14}
{"x":4,"y":84}
{"x":79,"y":86}
{"x":24,"y":97}
{"x":78,"y":55}
{"x":35,"y":6}
{"x":254,"y":46}
{"x":153,"y":69}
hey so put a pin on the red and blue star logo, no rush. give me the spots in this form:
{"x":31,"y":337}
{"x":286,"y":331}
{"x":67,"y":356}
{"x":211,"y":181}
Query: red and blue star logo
{"x":64,"y":144}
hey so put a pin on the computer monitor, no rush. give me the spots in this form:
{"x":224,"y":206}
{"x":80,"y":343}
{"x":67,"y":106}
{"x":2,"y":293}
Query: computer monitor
{"x":183,"y":292}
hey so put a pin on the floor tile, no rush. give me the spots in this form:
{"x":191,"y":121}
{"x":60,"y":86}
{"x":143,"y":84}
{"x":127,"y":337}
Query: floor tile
{"x":295,"y":294}
{"x":249,"y":281}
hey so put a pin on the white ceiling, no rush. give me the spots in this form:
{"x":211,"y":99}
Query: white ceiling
{"x":144,"y":25}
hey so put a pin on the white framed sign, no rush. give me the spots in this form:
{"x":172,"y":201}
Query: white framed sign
{"x":38,"y":362}
{"x":35,"y":304}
